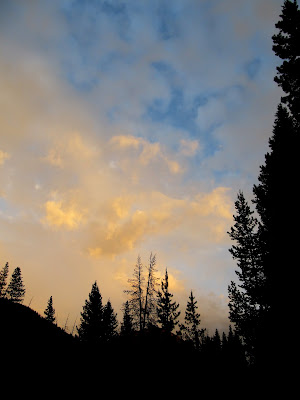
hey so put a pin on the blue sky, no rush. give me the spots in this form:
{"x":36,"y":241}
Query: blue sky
{"x":128,"y":127}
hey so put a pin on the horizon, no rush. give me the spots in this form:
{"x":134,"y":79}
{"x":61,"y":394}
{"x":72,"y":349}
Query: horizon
{"x":128,"y":128}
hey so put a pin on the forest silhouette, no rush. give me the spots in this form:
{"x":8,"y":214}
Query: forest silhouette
{"x":150,"y":334}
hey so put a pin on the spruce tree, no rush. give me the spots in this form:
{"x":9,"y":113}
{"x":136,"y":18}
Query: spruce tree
{"x":190,"y":328}
{"x":3,"y":280}
{"x":50,"y":311}
{"x":110,"y":322}
{"x":166,"y":309}
{"x":276,"y":202}
{"x":247,"y":300}
{"x":286,"y":46}
{"x":276,"y":205}
{"x":127,"y":323}
{"x":91,"y":321}
{"x":16,"y":289}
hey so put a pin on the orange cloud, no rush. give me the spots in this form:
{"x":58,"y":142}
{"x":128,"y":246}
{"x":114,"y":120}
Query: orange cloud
{"x":3,"y":157}
{"x":134,"y":218}
{"x":59,"y":216}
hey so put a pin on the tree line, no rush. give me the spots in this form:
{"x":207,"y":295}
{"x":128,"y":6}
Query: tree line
{"x":149,"y":313}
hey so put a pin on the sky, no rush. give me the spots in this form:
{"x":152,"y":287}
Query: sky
{"x":128,"y":127}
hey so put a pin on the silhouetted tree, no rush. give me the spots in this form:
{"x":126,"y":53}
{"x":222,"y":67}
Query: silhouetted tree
{"x":166,"y":309}
{"x":136,"y":295}
{"x":127,"y":324}
{"x":276,"y":204}
{"x":190,"y":329}
{"x":151,"y":291}
{"x":50,"y":311}
{"x":91,"y":321}
{"x":16,"y":289}
{"x":246,"y":300}
{"x":233,"y":351}
{"x":286,"y":46}
{"x":276,"y":179}
{"x":217,"y":341}
{"x":110,"y":322}
{"x":3,"y":280}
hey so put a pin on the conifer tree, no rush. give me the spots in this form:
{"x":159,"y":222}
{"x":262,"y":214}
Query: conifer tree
{"x":276,"y":203}
{"x":91,"y":321}
{"x":166,"y":309}
{"x":110,"y":322}
{"x":127,"y":324}
{"x":50,"y":311}
{"x":246,"y":300}
{"x":192,"y":320}
{"x":286,"y":46}
{"x":16,"y":289}
{"x":3,"y":280}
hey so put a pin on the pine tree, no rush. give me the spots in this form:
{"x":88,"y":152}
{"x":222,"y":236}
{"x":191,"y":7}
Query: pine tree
{"x":110,"y":322}
{"x":286,"y":46}
{"x":16,"y":289}
{"x":166,"y":309}
{"x":50,"y":311}
{"x":127,"y":324}
{"x":136,"y":295}
{"x":246,"y":301}
{"x":91,"y":321}
{"x":192,"y":320}
{"x":217,"y":341}
{"x":3,"y":280}
{"x":276,"y":203}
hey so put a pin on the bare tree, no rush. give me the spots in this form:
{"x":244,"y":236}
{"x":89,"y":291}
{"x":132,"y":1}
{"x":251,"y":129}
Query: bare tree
{"x":150,"y":315}
{"x":136,"y":295}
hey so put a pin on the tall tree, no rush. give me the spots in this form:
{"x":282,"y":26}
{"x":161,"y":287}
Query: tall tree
{"x":136,"y":295}
{"x":276,"y":203}
{"x":110,"y":322}
{"x":91,"y":321}
{"x":50,"y":311}
{"x":166,"y":309}
{"x":246,"y":300}
{"x":3,"y":280}
{"x":190,"y":328}
{"x":127,"y":324}
{"x":286,"y":46}
{"x":151,"y":291}
{"x":16,"y":289}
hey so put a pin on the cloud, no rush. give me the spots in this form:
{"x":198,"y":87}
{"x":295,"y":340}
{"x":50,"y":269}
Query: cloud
{"x":68,"y":148}
{"x":151,"y":214}
{"x":146,"y":152}
{"x":3,"y":157}
{"x":63,"y":216}
{"x":189,"y":147}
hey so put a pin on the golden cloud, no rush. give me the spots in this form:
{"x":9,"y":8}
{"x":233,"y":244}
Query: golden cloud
{"x":148,"y":151}
{"x":59,"y":216}
{"x":3,"y":157}
{"x":68,"y":148}
{"x":152,"y":213}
